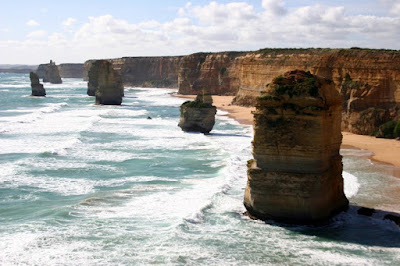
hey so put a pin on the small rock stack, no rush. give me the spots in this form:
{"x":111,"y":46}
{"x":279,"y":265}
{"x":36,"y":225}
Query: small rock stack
{"x":37,"y":88}
{"x":198,"y":115}
{"x":105,"y":83}
{"x":296,"y":174}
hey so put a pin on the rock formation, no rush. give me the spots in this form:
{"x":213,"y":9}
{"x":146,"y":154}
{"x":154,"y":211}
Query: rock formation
{"x":105,"y":83}
{"x":65,"y":70}
{"x":159,"y":72}
{"x":296,"y":174}
{"x":37,"y":88}
{"x":71,"y":70}
{"x":198,"y":115}
{"x":369,"y":80}
{"x":52,"y":75}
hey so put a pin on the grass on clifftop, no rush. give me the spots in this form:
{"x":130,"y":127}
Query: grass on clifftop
{"x":195,"y":104}
{"x":306,"y":85}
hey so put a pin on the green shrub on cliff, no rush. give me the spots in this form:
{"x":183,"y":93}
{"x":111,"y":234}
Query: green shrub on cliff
{"x":296,"y":87}
{"x":195,"y":104}
{"x":389,"y":130}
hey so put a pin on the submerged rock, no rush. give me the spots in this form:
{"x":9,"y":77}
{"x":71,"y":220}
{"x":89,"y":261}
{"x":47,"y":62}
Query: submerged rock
{"x":105,"y":83}
{"x":198,"y":115}
{"x":37,"y":88}
{"x":296,"y":174}
{"x":52,"y":74}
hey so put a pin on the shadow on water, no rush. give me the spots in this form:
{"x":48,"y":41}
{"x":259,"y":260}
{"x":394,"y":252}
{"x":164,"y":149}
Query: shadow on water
{"x":351,"y":227}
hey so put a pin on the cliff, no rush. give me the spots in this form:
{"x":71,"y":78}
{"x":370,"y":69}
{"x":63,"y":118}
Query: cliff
{"x":296,"y":174}
{"x":218,"y":73}
{"x":71,"y":70}
{"x":369,"y":80}
{"x":65,"y":70}
{"x":159,"y":72}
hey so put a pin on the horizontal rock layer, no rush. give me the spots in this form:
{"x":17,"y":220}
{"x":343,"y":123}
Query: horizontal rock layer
{"x":374,"y":74}
{"x":296,"y":174}
{"x":159,"y":72}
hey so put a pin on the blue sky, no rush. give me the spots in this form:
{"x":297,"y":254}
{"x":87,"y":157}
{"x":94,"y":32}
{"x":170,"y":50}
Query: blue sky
{"x":34,"y":32}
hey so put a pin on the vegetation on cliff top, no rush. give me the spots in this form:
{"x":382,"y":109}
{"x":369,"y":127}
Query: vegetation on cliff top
{"x":296,"y":86}
{"x":196,"y":104}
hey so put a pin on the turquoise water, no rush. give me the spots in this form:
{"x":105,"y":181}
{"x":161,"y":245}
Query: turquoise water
{"x":82,"y":184}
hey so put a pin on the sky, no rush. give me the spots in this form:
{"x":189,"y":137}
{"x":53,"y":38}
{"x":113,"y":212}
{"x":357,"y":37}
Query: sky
{"x":33,"y":32}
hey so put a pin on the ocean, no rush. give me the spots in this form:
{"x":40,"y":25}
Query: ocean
{"x":82,"y":184}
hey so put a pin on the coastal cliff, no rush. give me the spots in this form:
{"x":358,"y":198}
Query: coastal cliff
{"x":71,"y":70}
{"x":158,"y":72}
{"x":65,"y":70}
{"x":296,"y":174}
{"x":368,"y":80}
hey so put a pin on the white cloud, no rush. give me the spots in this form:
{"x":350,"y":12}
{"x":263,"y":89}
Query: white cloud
{"x":216,"y":27}
{"x":274,"y":7}
{"x":32,"y":23}
{"x":36,"y":34}
{"x":69,"y":22}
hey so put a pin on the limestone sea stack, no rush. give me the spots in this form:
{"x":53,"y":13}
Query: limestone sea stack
{"x":52,"y":74}
{"x":198,"y":115}
{"x":105,"y":83}
{"x":296,"y":174}
{"x":37,"y":88}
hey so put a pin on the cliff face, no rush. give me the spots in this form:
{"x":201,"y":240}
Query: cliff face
{"x":296,"y":172}
{"x":217,"y":73}
{"x":369,"y":80}
{"x":159,"y":72}
{"x":65,"y":70}
{"x":71,"y":70}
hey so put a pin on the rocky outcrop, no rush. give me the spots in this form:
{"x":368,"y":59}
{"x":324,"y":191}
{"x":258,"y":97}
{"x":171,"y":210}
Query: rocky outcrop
{"x":65,"y":70}
{"x":41,"y":70}
{"x":218,"y":73}
{"x":369,"y":80}
{"x":71,"y":70}
{"x":198,"y":115}
{"x":296,"y":174}
{"x":106,"y":83}
{"x":159,"y":72}
{"x":52,"y":75}
{"x":37,"y":88}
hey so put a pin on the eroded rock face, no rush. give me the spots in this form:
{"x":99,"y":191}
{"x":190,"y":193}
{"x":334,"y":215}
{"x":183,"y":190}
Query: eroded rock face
{"x":159,"y":72}
{"x":37,"y":88}
{"x":52,"y":75}
{"x":296,"y":174}
{"x":71,"y":70}
{"x":105,"y":83}
{"x":198,"y":115}
{"x":371,"y":91}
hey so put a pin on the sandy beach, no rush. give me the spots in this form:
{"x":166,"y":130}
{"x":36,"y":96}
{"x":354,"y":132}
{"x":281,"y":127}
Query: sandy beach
{"x":384,"y":150}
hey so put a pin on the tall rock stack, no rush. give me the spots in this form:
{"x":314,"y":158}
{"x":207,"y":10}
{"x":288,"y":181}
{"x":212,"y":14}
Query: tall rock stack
{"x":198,"y":115}
{"x":105,"y":83}
{"x":296,"y":174}
{"x":37,"y":88}
{"x":52,"y":75}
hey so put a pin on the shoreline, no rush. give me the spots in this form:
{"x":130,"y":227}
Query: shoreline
{"x":386,"y":151}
